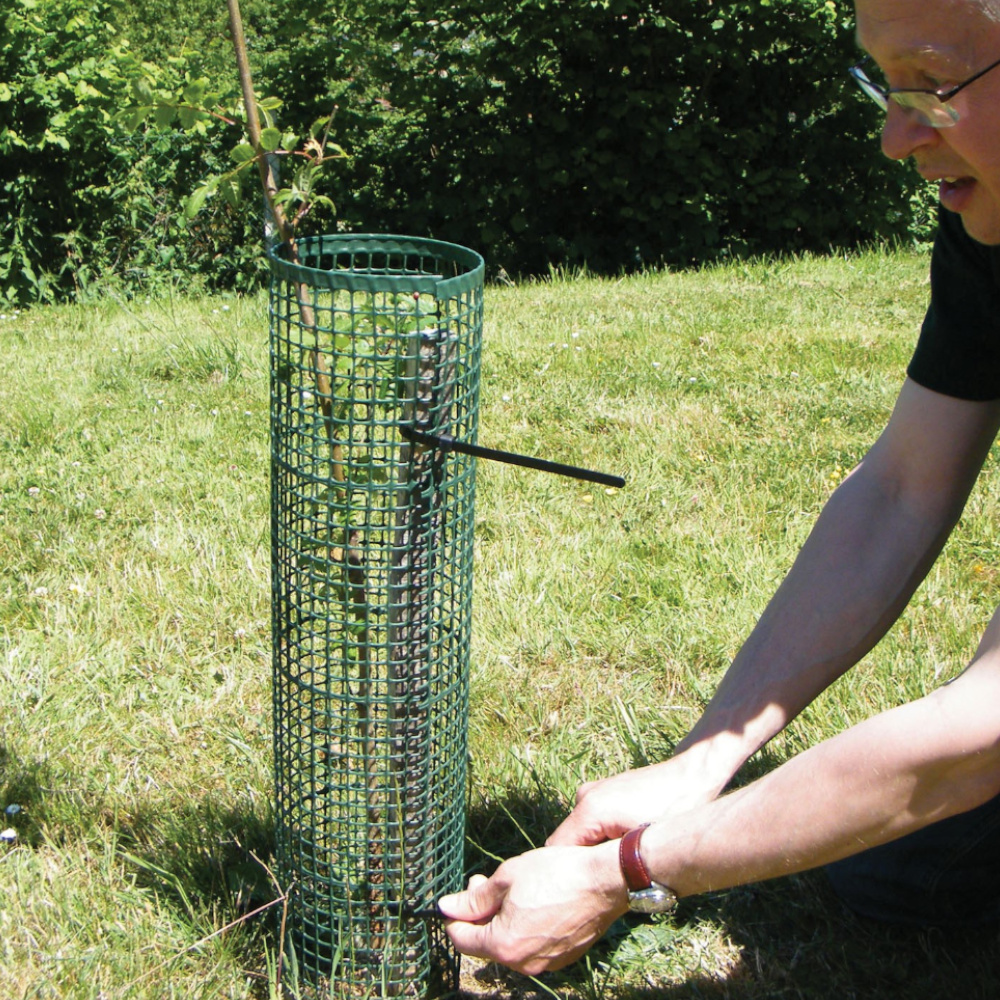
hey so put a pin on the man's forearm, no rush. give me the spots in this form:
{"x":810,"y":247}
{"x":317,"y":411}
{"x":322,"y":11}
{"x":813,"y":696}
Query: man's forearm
{"x":882,"y":779}
{"x":870,"y":548}
{"x":895,"y":773}
{"x":885,"y":777}
{"x":859,"y":567}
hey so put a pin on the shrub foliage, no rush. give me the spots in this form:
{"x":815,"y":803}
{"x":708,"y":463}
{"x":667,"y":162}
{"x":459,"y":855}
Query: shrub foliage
{"x":611,"y":133}
{"x":620,"y":132}
{"x":84,"y":200}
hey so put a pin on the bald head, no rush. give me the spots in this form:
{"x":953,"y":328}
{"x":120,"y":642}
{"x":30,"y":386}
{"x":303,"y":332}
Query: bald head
{"x":991,"y":8}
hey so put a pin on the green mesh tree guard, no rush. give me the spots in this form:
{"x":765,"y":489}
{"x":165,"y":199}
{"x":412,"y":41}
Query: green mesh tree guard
{"x":372,"y":586}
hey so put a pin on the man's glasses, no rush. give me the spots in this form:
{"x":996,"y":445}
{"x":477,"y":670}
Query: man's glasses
{"x":930,"y":107}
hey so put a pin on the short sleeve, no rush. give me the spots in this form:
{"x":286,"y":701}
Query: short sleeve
{"x":958,"y":352}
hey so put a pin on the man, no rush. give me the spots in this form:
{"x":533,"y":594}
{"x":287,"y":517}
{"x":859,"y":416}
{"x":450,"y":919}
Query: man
{"x":905,"y":807}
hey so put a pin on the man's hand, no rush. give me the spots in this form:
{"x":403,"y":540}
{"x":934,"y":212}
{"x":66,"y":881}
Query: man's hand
{"x":609,"y":808}
{"x":539,"y":911}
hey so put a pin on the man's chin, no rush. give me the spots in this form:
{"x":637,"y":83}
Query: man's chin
{"x":983,"y":229}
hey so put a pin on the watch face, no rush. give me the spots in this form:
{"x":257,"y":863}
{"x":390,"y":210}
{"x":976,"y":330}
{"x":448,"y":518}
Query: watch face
{"x":655,"y":899}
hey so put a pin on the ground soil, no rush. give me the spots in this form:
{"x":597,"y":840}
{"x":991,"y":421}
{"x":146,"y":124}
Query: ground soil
{"x":489,"y":981}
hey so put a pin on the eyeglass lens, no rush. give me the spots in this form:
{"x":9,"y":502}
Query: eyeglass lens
{"x":928,"y":107}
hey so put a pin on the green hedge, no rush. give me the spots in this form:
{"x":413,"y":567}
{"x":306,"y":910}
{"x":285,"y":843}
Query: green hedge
{"x":611,"y":133}
{"x":84,"y":202}
{"x":627,"y":132}
{"x":53,"y":137}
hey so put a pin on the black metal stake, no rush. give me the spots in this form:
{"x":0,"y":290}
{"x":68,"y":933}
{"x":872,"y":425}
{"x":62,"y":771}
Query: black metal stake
{"x":446,"y":443}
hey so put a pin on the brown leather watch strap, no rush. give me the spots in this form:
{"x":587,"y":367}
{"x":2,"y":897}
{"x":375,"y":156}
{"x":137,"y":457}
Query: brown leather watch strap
{"x":636,"y":876}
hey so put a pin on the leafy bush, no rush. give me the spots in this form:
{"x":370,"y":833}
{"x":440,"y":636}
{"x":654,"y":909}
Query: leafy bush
{"x":193,"y":30}
{"x":84,"y":200}
{"x":54,"y":126}
{"x":612,"y":133}
{"x":625,"y":132}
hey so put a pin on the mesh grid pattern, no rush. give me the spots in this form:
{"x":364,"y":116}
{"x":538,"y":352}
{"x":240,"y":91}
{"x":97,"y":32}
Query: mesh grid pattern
{"x":372,"y":544}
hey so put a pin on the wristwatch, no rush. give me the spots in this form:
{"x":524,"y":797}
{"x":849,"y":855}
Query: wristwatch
{"x":644,"y":895}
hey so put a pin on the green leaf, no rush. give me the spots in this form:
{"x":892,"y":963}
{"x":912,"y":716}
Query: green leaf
{"x":231,"y":190}
{"x":189,"y":117}
{"x":143,"y":92}
{"x":270,"y":140}
{"x":50,"y":138}
{"x":242,"y":153}
{"x":319,"y":126}
{"x":164,"y":114}
{"x":193,"y":205}
{"x":132,"y":118}
{"x":84,"y":90}
{"x":194,"y":93}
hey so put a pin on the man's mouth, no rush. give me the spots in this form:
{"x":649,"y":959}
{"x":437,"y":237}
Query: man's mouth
{"x":955,"y":192}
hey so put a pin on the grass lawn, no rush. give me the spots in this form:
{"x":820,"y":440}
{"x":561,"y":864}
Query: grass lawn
{"x":134,"y":616}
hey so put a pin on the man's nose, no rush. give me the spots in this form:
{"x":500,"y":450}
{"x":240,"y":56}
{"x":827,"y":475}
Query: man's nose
{"x":904,"y":133}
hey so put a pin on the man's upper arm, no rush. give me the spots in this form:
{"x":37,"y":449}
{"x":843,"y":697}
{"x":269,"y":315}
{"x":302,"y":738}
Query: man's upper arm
{"x":933,"y":448}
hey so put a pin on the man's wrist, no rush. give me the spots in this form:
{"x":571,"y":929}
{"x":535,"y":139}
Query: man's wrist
{"x":644,"y":894}
{"x":630,"y":860}
{"x":711,"y":761}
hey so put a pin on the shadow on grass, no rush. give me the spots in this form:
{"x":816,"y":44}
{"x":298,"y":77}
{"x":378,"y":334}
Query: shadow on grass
{"x":24,"y":790}
{"x":795,"y":939}
{"x":202,"y":856}
{"x":210,"y":863}
{"x":789,"y":938}
{"x":206,"y":847}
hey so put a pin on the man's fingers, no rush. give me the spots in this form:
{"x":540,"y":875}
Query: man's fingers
{"x":570,"y":833}
{"x":582,"y":829}
{"x":476,"y":904}
{"x":469,"y":914}
{"x":472,"y":939}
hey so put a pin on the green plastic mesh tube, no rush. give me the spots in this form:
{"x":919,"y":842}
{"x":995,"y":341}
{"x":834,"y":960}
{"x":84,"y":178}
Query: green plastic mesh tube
{"x":372,"y":588}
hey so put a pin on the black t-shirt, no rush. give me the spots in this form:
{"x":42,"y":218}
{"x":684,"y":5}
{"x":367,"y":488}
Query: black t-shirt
{"x":958,"y":353}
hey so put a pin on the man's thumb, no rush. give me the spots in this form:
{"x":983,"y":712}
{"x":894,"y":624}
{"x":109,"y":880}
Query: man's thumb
{"x":476,"y":904}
